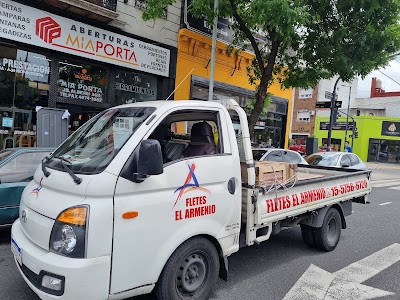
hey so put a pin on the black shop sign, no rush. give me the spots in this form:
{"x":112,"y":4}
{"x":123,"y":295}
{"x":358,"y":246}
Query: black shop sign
{"x":390,"y":128}
{"x":337,"y":126}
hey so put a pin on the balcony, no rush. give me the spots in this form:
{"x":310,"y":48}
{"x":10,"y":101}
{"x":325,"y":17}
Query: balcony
{"x":108,"y":4}
{"x":100,"y":10}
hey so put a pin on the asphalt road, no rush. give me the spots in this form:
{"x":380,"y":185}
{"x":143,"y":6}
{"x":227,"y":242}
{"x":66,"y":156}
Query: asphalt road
{"x":270,"y":270}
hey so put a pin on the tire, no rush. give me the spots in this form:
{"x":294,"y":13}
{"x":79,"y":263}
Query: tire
{"x":190,"y":273}
{"x":307,"y":233}
{"x":327,"y":237}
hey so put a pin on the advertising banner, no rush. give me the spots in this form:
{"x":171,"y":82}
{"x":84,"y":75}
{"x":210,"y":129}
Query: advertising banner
{"x":32,"y":26}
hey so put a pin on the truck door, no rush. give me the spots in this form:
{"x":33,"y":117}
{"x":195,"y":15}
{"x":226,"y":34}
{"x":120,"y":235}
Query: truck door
{"x":195,"y":195}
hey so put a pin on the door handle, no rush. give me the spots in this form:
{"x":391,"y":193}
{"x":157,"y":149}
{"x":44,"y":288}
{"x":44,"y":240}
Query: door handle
{"x":231,"y":186}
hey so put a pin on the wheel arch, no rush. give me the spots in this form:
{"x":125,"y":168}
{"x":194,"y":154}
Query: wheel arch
{"x":317,"y":219}
{"x":223,"y":261}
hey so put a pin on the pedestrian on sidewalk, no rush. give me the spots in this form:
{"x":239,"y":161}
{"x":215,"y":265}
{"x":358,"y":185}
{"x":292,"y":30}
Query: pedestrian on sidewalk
{"x":347,"y":147}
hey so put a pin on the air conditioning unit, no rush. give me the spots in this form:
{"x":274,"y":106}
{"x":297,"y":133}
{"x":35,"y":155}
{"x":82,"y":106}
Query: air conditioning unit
{"x":312,"y":112}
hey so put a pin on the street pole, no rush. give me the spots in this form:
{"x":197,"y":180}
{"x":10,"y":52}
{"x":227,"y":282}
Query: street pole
{"x":347,"y":116}
{"x":333,"y":104}
{"x":213,"y":50}
{"x":353,"y":127}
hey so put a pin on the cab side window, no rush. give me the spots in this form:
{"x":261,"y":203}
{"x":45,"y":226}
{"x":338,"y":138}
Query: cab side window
{"x":188,"y":133}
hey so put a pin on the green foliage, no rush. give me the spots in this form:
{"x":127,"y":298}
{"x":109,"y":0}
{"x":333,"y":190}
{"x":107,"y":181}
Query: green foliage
{"x":251,"y":104}
{"x":306,"y":40}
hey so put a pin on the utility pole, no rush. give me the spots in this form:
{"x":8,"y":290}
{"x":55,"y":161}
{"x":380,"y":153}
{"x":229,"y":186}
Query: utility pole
{"x":333,"y":106}
{"x":213,"y":51}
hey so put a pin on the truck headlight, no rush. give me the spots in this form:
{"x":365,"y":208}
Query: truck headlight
{"x":68,"y":236}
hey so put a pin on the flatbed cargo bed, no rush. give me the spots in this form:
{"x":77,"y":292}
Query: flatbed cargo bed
{"x":313,"y":188}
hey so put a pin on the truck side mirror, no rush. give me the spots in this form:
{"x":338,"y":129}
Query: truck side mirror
{"x":149,"y":160}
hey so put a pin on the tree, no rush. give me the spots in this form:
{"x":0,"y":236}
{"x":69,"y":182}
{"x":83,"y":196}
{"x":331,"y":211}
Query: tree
{"x":303,"y":41}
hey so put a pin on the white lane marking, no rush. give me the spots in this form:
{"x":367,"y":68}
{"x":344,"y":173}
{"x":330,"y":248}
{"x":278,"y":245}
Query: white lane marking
{"x":353,"y":291}
{"x":394,"y":188}
{"x":385,"y":184}
{"x":318,"y":284}
{"x":313,"y":284}
{"x":383,"y":180}
{"x":368,"y":267}
{"x":386,"y":203}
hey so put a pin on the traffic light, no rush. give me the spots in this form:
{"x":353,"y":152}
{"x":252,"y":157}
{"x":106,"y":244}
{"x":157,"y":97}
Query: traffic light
{"x":336,"y":115}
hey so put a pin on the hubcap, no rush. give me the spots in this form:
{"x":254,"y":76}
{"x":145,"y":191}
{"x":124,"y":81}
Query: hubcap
{"x":191,"y":274}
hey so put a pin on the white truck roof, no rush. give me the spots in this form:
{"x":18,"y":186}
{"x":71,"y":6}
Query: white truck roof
{"x":171,"y":104}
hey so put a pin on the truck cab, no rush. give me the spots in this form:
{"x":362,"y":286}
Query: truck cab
{"x":107,"y":213}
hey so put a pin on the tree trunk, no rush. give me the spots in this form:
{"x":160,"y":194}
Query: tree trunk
{"x":258,"y":106}
{"x":264,"y":83}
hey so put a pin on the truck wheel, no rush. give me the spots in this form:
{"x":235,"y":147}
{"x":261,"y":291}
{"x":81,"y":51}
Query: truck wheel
{"x":190,"y":273}
{"x":307,"y":234}
{"x":327,"y":237}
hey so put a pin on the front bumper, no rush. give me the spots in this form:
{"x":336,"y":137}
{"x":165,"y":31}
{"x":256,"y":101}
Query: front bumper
{"x":84,"y":278}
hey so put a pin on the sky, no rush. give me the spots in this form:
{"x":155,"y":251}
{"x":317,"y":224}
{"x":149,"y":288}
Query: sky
{"x":389,"y":85}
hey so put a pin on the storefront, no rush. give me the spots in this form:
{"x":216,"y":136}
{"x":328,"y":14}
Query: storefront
{"x":378,"y":138}
{"x":231,"y":81}
{"x":51,"y":61}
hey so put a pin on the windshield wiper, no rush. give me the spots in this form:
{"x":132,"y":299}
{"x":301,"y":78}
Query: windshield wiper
{"x":76,"y":179}
{"x":44,"y":163}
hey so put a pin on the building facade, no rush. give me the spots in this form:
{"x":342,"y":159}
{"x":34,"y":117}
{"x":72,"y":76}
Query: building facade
{"x":304,"y":113}
{"x":231,"y":80}
{"x":82,"y":57}
{"x":378,"y":137}
{"x":313,"y":102}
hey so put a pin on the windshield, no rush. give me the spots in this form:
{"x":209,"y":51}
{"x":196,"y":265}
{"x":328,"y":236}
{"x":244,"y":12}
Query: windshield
{"x":93,"y":146}
{"x":323,"y":160}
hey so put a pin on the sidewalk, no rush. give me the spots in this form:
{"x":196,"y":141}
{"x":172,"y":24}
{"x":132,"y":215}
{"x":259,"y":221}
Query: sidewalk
{"x":380,"y":166}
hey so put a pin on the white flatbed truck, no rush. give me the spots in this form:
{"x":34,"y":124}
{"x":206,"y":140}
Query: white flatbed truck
{"x":111,"y":216}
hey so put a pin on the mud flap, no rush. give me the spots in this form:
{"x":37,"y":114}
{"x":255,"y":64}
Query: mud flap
{"x":362,"y":200}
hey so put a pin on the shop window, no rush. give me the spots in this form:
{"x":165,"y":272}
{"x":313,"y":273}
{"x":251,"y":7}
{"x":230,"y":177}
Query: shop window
{"x":24,"y":84}
{"x":82,"y":82}
{"x":131,"y":87}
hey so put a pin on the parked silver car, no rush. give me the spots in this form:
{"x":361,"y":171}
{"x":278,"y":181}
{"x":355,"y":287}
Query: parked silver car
{"x":276,"y":154}
{"x":336,"y":159}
